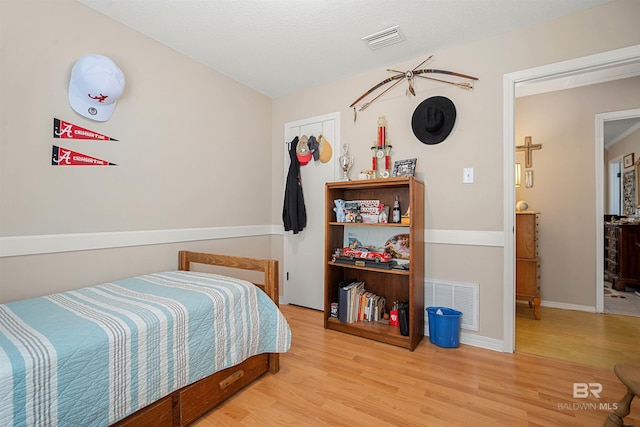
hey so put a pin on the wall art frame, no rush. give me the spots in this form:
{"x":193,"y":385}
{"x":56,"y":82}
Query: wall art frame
{"x":628,"y":161}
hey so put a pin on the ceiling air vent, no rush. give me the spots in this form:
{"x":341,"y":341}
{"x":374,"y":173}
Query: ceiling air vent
{"x":383,"y":38}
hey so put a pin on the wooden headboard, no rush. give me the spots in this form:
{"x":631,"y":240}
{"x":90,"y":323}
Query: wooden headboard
{"x":268,"y":266}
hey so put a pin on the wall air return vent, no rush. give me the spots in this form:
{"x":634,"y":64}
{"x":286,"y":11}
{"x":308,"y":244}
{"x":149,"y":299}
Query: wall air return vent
{"x":463,"y":297}
{"x":383,"y":38}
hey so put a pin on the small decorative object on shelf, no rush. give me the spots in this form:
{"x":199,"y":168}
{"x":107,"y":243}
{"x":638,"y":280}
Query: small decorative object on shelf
{"x":383,"y":216}
{"x":346,"y":161}
{"x":367,"y":253}
{"x":340,"y":210}
{"x":394,"y":315}
{"x":406,"y":218}
{"x":334,"y":309}
{"x":366,"y":174}
{"x":366,"y":211}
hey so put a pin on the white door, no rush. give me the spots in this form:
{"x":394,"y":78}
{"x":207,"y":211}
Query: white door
{"x":304,"y":252}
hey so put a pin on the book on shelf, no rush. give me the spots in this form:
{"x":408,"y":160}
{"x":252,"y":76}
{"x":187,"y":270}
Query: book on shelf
{"x":354,"y":301}
{"x":356,"y":304}
{"x":343,"y":299}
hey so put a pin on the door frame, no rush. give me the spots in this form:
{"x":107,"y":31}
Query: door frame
{"x":574,"y":66}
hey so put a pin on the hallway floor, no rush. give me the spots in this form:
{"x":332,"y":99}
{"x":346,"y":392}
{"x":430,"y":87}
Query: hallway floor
{"x":576,"y":336}
{"x":617,"y":302}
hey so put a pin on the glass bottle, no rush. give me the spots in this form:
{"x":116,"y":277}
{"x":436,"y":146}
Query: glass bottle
{"x":396,"y":211}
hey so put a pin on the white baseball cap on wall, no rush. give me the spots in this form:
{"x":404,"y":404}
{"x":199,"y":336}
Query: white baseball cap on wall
{"x":95,"y":86}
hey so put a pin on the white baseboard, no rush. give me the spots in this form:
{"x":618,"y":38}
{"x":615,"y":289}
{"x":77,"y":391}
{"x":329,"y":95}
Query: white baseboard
{"x":566,"y":306}
{"x":482,"y":342}
{"x":473,"y":340}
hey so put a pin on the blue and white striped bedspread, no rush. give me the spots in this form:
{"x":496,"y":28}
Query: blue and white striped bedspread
{"x":92,"y":356}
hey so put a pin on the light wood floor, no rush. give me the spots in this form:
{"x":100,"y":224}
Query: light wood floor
{"x":331,"y":378}
{"x":592,"y":339}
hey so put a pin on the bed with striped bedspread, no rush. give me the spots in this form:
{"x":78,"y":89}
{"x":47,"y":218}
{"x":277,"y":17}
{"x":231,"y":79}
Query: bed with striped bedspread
{"x":92,"y":356}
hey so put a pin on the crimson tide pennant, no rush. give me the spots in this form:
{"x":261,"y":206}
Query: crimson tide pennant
{"x":66,"y":130}
{"x":63,"y":157}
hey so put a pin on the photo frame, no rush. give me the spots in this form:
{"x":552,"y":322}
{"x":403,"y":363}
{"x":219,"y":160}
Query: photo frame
{"x":404,"y":167}
{"x":628,"y":160}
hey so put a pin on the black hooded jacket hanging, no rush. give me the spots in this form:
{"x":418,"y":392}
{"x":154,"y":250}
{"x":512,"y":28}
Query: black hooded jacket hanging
{"x":294,"y":213}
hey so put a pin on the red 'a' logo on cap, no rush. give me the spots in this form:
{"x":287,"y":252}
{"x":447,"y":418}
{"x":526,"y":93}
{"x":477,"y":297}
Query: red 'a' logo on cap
{"x":100,"y":98}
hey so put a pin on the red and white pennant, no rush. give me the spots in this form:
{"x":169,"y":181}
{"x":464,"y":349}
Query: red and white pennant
{"x":66,"y":130}
{"x":63,"y":157}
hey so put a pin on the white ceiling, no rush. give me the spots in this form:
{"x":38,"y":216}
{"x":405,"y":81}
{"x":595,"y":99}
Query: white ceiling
{"x":278,"y":47}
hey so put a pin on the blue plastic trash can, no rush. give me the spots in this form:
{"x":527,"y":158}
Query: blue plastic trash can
{"x":444,"y":326}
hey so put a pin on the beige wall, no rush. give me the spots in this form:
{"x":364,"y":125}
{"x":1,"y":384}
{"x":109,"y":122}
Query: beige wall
{"x":31,"y":276}
{"x":193,"y":148}
{"x":180,"y":123}
{"x":628,"y":145}
{"x":476,"y":140}
{"x":564,"y":181}
{"x":186,"y":156}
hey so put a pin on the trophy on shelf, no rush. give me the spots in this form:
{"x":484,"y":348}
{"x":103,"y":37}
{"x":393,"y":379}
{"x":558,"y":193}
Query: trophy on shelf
{"x":346,"y":161}
{"x":381,"y":151}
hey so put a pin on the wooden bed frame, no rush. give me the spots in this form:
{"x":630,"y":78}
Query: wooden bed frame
{"x":184,"y":406}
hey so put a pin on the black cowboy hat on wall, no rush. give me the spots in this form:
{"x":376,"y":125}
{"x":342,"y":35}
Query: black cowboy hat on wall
{"x":433,"y":120}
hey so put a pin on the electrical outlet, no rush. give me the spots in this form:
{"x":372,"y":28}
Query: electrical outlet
{"x":467,"y":175}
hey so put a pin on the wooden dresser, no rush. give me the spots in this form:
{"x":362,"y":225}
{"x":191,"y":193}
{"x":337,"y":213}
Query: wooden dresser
{"x":622,"y":254}
{"x":527,"y":260}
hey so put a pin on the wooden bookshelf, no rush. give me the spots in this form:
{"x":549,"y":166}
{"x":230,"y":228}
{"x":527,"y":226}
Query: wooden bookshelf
{"x":394,"y":285}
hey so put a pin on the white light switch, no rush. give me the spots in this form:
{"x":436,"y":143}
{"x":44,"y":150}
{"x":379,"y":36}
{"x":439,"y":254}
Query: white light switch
{"x":467,"y":175}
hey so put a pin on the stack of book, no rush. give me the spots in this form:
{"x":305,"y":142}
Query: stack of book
{"x":356,"y":304}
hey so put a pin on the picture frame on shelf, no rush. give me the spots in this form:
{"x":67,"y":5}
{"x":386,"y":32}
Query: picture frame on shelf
{"x":404,"y":167}
{"x":628,"y":160}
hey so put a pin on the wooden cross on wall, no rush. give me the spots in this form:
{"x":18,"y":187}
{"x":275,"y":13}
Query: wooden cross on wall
{"x":528,"y":148}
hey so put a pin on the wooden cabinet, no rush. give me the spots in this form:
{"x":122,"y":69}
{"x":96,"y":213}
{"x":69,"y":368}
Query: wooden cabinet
{"x":622,"y":255}
{"x":527,"y":260}
{"x":392,"y":284}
